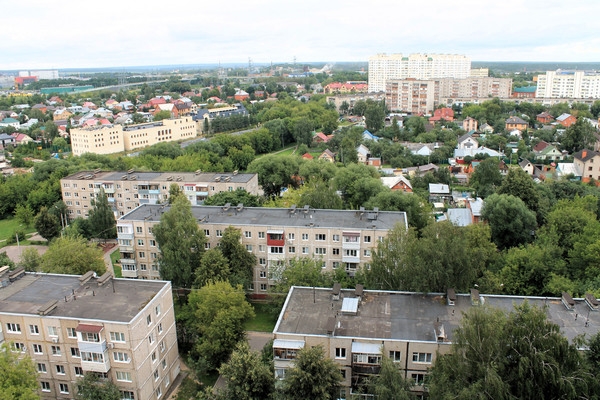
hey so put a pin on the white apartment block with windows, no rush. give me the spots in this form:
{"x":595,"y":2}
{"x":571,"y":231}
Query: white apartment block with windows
{"x":338,"y":238}
{"x":109,"y":139}
{"x":383,"y":67}
{"x":127,"y":190}
{"x":357,"y":327}
{"x":568,"y":85}
{"x":120,"y":329}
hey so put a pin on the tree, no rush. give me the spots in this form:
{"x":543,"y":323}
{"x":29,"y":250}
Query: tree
{"x":17,"y":376}
{"x":30,"y":259}
{"x":511,"y":222}
{"x":319,"y":194}
{"x":519,"y":184}
{"x":579,"y":136}
{"x":24,"y":214}
{"x":389,"y":384}
{"x":486,"y":177}
{"x":313,"y":376}
{"x":374,"y":115}
{"x":181,"y":243}
{"x":102,"y":217}
{"x":214,"y":267}
{"x":247,"y":377}
{"x":91,"y":387}
{"x":73,"y":256}
{"x":521,"y":355}
{"x":241,"y":262}
{"x":163,"y":114}
{"x":218,"y":312}
{"x":303,"y":129}
{"x":235,"y":197}
{"x":275,"y":172}
{"x":417,"y":211}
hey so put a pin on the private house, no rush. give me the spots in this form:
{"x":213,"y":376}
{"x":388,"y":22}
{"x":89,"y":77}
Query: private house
{"x":12,"y":122}
{"x":170,"y":107}
{"x":546,"y":151}
{"x":363,"y":153}
{"x":476,"y":205}
{"x":69,"y":325}
{"x":486,"y":128}
{"x":420,"y":170}
{"x":439,"y":193}
{"x":61,"y":114}
{"x":460,"y":216}
{"x":566,"y":120}
{"x":21,"y":138}
{"x":6,"y":140}
{"x":241,"y":95}
{"x":396,"y":183}
{"x":307,"y":156}
{"x":347,"y":87}
{"x":567,"y":169}
{"x":442,"y":114}
{"x":369,"y":136}
{"x":41,"y":107}
{"x":467,"y":141}
{"x":527,"y":166}
{"x":327,"y":155}
{"x":469,"y":124}
{"x":515,"y":123}
{"x":320,"y":137}
{"x":587,"y":163}
{"x":421,"y":149}
{"x":544,"y":118}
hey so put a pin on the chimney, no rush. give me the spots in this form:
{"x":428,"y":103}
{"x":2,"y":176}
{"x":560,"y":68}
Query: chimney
{"x":583,"y":153}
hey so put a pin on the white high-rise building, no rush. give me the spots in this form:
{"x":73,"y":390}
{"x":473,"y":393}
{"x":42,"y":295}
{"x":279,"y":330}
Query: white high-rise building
{"x":383,"y":67}
{"x":569,"y":84}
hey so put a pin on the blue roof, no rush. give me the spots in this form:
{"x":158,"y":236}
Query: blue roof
{"x":525,"y":89}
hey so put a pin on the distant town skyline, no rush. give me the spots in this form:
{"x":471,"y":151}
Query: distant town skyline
{"x":42,"y":35}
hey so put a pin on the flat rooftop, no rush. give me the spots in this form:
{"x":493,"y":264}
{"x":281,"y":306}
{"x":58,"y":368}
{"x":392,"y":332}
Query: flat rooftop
{"x":280,"y":217}
{"x":144,"y":177}
{"x":411,"y":316}
{"x":88,"y":301}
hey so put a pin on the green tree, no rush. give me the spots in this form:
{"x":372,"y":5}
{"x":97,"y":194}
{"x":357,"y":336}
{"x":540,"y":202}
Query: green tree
{"x":247,"y":377}
{"x":486,"y":177}
{"x":164,"y":114}
{"x":519,"y":184}
{"x":181,"y":243}
{"x":30,"y":259}
{"x":91,"y":387}
{"x":241,"y":262}
{"x":303,"y":129}
{"x":24,"y":214}
{"x":102,"y":217}
{"x":218,"y":312}
{"x":235,"y":197}
{"x":17,"y":376}
{"x":313,"y":376}
{"x":579,"y":136}
{"x":46,"y":224}
{"x":417,"y":211}
{"x":389,"y":384}
{"x":511,"y":222}
{"x":73,"y":256}
{"x":374,"y":115}
{"x":214,"y":267}
{"x":275,"y":172}
{"x":319,"y":194}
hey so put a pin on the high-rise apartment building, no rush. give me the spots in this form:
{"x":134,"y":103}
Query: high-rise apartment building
{"x":338,"y":238}
{"x":128,"y":189}
{"x":109,"y":139}
{"x":569,"y":85}
{"x":383,"y":67}
{"x":120,"y":329}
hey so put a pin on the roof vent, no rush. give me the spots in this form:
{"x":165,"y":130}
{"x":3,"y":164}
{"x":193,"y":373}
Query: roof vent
{"x":104,"y":278}
{"x":48,"y":307}
{"x":591,"y":301}
{"x":16,"y":274}
{"x":358,"y":291}
{"x":440,"y":332}
{"x":124,"y":178}
{"x":86,"y":277}
{"x":226,"y":206}
{"x":330,"y":326}
{"x":337,"y":288}
{"x":568,"y":301}
{"x":217,"y":179}
{"x":293,"y":209}
{"x":451,"y":296}
{"x":475,"y":300}
{"x":198,"y":171}
{"x":131,"y":171}
{"x":169,"y":178}
{"x":235,"y":172}
{"x":306,"y":209}
{"x":240,"y":206}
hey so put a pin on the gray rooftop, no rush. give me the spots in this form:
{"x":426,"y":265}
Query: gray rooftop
{"x":154,"y":177}
{"x":88,"y":301}
{"x":411,"y":316}
{"x":280,"y":217}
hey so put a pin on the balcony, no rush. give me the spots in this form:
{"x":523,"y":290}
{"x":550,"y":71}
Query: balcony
{"x":351,"y":259}
{"x":122,"y":235}
{"x":129,"y":273}
{"x":94,"y":363}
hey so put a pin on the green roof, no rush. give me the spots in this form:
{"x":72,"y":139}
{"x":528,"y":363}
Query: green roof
{"x":525,"y":89}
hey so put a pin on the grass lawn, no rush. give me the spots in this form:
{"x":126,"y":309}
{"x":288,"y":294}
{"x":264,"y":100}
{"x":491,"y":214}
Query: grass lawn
{"x":264,"y":321}
{"x":114,"y":257}
{"x":8,"y":227}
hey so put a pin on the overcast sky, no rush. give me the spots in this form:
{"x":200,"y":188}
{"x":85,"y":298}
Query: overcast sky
{"x":39,"y":34}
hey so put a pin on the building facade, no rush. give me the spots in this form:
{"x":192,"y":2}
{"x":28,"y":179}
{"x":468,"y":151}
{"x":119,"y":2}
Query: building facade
{"x":109,"y":139}
{"x":128,"y":189}
{"x":121,"y":330}
{"x":356,"y":328}
{"x":569,"y":85}
{"x":339,"y":238}
{"x":383,"y":67}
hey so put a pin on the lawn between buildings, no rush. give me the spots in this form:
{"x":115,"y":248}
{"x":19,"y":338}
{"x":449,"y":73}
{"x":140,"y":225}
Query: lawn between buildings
{"x":7,"y":229}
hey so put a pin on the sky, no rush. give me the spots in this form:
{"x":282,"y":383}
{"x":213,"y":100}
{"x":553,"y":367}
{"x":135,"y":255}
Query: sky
{"x":42,"y":34}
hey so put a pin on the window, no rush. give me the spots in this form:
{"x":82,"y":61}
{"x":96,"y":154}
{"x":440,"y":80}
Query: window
{"x":263,"y":287}
{"x":52,"y":331}
{"x":262,"y":261}
{"x":320,"y":251}
{"x":275,"y":249}
{"x":336,"y":238}
{"x":13,"y":328}
{"x":78,"y":371}
{"x":395,"y":356}
{"x":71,"y":333}
{"x":162,"y":346}
{"x":263,"y":274}
{"x":206,"y":232}
{"x":305,"y":250}
{"x":90,"y":337}
{"x":247,"y":234}
{"x":340,"y":352}
{"x":143,"y":267}
{"x":139,"y":229}
{"x":37,"y":349}
{"x":367,"y":239}
{"x":119,"y":356}
{"x":305,"y":236}
{"x":335,"y":252}
{"x":343,"y":372}
{"x":320,"y":236}
{"x":335,"y":264}
{"x":157,"y":310}
{"x":152,"y":242}
{"x":261,"y":235}
{"x":127,"y":395}
{"x":373,"y":359}
{"x":45,"y":386}
{"x":64,"y":388}
{"x":140,"y":242}
{"x":151,"y":338}
{"x":291,"y":249}
{"x":350,"y":253}
{"x":153,"y":255}
{"x":249,"y":248}
{"x":60,"y":369}
{"x":367,"y":253}
{"x":19,"y":347}
{"x":291,"y":236}
{"x":219,"y":233}
{"x":418,"y":378}
{"x":262,"y":248}
{"x":124,"y":376}
{"x":164,"y":364}
{"x":156,"y":375}
{"x":34,"y":330}
{"x":141,"y":254}
{"x":153,"y":356}
{"x":422,"y":357}
{"x":117,"y":337}
{"x":149,"y":319}
{"x":41,"y":368}
{"x":158,"y":392}
{"x":55,"y":350}
{"x":159,"y":328}
{"x":92,"y":357}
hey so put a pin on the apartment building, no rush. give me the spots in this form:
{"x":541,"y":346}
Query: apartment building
{"x":338,"y":238}
{"x":423,"y":96}
{"x":119,"y":329}
{"x":357,"y":327}
{"x":109,"y":139}
{"x":383,"y":67}
{"x":569,"y":85}
{"x":128,"y":189}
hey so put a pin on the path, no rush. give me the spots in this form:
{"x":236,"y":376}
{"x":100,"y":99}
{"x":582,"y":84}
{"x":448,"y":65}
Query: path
{"x":107,"y":253}
{"x":14,"y":252}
